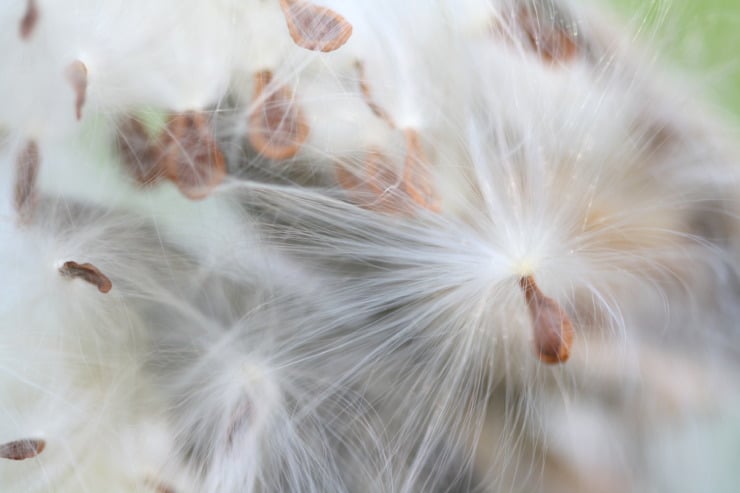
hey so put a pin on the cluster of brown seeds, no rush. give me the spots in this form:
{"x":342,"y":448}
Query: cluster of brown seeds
{"x":380,"y":187}
{"x":185,"y":152}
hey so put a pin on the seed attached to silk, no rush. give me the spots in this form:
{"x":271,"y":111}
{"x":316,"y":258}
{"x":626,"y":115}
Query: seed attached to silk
{"x":552,"y":328}
{"x":87,"y":272}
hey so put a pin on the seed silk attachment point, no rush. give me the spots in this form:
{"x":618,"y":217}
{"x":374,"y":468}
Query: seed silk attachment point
{"x":551,"y":326}
{"x":87,"y":272}
{"x":315,"y":28}
{"x":76,"y":74}
{"x":29,"y":20}
{"x":22,"y":449}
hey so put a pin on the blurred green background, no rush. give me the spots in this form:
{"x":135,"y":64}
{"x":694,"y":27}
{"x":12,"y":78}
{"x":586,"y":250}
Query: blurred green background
{"x":701,"y":37}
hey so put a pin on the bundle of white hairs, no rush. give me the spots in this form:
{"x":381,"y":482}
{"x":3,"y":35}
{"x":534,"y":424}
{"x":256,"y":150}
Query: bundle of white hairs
{"x":360,"y":246}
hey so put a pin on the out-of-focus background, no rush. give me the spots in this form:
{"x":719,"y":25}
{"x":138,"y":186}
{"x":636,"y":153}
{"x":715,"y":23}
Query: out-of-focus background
{"x":702,"y":37}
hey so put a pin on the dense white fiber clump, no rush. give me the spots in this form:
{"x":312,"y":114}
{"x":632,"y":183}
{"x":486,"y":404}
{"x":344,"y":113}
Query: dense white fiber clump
{"x":360,"y":246}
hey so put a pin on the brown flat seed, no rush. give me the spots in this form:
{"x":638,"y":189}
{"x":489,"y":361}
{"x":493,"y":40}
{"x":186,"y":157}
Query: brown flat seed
{"x":277,"y":127}
{"x":553,"y":43}
{"x":139,"y":154}
{"x":315,"y":28}
{"x":76,"y":74}
{"x":29,"y":20}
{"x":378,"y":189}
{"x":86,"y":272}
{"x":417,"y":180}
{"x":27,"y":170}
{"x":553,"y":330}
{"x":22,"y":449}
{"x":191,"y":156}
{"x":367,"y":96}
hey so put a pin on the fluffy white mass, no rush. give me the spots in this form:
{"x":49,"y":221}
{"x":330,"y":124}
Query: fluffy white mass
{"x":359,"y":246}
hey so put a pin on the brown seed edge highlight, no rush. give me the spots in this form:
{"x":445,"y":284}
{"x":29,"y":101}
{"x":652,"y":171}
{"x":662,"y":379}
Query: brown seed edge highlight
{"x":377,"y":110}
{"x":262,"y":144}
{"x":416,"y":169}
{"x":292,"y":8}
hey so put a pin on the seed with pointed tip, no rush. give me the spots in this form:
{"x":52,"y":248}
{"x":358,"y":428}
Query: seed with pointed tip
{"x":553,"y":330}
{"x":277,"y":127}
{"x":315,"y":28}
{"x":76,"y":74}
{"x":22,"y":449}
{"x":29,"y":20}
{"x":87,"y":272}
{"x":27,"y":169}
{"x":191,"y":156}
